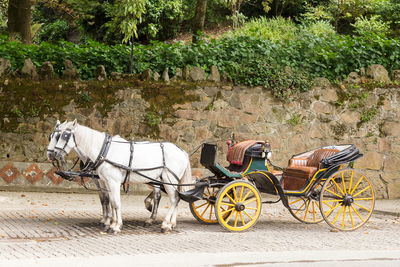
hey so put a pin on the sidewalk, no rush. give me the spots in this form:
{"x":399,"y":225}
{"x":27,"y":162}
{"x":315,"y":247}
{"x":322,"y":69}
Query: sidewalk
{"x":388,"y":207}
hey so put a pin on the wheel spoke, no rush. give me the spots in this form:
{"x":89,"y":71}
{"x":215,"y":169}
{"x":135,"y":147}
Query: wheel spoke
{"x":307,"y":206}
{"x":314,"y":213}
{"x":227,"y":204}
{"x":297,"y":200}
{"x":201,"y":205}
{"x":204,"y":211}
{"x":337,"y":186}
{"x":338,"y":215}
{"x":234,"y":194}
{"x":344,"y":184}
{"x":229,"y":217}
{"x":248,"y":215}
{"x":364,"y":198}
{"x":330,"y":211}
{"x":333,"y":193}
{"x":332,"y":200}
{"x":211,"y":209}
{"x":228,"y":210}
{"x":358,"y":182}
{"x":351,"y":181}
{"x":242,"y":219}
{"x":362,"y":191}
{"x":232,"y":200}
{"x":358,"y":214}
{"x":361,"y":207}
{"x":241,"y":193}
{"x":344,"y":216}
{"x":245,"y":197}
{"x":251,"y":208}
{"x":351,"y":218}
{"x":236,"y":219}
{"x":249,"y":201}
{"x":304,"y":203}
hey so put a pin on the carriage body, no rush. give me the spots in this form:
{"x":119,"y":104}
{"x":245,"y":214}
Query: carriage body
{"x":317,"y":185}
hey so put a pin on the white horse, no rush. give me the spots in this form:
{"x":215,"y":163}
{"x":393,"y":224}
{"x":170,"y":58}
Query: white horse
{"x":100,"y":185}
{"x":151,"y":202}
{"x":159,"y":163}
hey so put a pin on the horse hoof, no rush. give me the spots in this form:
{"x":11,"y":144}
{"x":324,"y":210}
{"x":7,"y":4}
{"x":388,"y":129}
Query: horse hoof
{"x":110,"y":230}
{"x":165,"y":230}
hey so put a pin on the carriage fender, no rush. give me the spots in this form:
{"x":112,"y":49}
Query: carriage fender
{"x":266,"y":182}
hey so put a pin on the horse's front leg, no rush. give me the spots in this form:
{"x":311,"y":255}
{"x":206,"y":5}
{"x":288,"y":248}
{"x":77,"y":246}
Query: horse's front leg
{"x":156,"y":201}
{"x":115,"y":200}
{"x":103,"y":200}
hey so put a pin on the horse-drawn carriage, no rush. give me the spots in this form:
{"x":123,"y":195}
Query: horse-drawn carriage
{"x":317,"y":185}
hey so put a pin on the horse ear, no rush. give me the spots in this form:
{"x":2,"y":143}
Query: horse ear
{"x":74,"y":123}
{"x":58,"y":123}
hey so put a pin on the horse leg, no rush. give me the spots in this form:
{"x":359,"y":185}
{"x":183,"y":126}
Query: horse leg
{"x":107,"y":213}
{"x":102,"y":200}
{"x":115,"y":200}
{"x":156,"y":201}
{"x":167,"y":225}
{"x":148,"y":201}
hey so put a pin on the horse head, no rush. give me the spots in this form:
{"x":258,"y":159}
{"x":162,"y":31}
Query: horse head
{"x":53,"y":138}
{"x":66,"y":140}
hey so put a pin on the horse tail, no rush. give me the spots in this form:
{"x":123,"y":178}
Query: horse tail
{"x":187,"y":178}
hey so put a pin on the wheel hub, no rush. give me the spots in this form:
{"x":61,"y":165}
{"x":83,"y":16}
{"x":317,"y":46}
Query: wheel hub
{"x":348,"y":200}
{"x":239,"y":206}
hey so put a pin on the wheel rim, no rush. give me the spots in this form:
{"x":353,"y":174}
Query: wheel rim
{"x":306,"y":209}
{"x":347,"y":200}
{"x":203,"y":210}
{"x":238,"y":206}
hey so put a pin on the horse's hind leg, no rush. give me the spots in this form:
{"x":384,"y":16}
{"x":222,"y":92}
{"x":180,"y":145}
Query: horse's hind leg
{"x":169,"y":224}
{"x":156,"y":202}
{"x":148,"y":201}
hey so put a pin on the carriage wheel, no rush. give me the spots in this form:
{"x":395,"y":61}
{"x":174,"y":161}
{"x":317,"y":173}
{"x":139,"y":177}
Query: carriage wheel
{"x":203,"y":210}
{"x":306,"y":209}
{"x":347,"y":200}
{"x":238,"y":206}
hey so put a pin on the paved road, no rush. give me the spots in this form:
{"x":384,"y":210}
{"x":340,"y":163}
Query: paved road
{"x":48,"y":228}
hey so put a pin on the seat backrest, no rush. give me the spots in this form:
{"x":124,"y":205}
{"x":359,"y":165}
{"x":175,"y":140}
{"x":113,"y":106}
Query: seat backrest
{"x":208,"y":155}
{"x":320,"y":154}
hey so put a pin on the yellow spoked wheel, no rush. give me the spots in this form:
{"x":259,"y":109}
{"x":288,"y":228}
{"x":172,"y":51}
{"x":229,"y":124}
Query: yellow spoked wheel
{"x":203,"y":210}
{"x":306,"y":209}
{"x":238,"y":206}
{"x":347,"y":200}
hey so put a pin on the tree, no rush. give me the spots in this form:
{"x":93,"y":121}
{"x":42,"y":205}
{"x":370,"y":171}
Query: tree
{"x":198,"y":20}
{"x":19,"y":19}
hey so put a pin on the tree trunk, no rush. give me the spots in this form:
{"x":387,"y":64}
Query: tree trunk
{"x":198,"y":20}
{"x":19,"y":19}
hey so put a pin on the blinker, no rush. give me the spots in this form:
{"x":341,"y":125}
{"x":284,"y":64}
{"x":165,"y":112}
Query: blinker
{"x":66,"y":135}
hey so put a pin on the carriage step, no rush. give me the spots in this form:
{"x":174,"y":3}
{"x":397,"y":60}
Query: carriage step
{"x":194,"y":194}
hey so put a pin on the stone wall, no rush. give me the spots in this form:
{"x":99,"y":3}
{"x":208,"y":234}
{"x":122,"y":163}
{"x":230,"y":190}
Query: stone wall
{"x":365,"y":114}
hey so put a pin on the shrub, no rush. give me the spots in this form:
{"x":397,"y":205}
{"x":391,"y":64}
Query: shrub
{"x":372,"y":26}
{"x":274,"y":29}
{"x":53,"y":32}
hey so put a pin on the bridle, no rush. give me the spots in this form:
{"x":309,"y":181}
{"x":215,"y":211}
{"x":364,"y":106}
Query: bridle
{"x":66,"y":136}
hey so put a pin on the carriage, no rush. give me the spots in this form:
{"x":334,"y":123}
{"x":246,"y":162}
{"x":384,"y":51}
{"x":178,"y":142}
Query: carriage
{"x":317,"y":185}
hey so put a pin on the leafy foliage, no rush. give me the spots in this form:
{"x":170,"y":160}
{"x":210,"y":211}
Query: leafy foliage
{"x":372,"y":26}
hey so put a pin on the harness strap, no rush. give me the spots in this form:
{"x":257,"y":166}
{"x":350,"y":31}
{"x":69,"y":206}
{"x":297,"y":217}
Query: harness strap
{"x":125,"y":184}
{"x":103,"y":153}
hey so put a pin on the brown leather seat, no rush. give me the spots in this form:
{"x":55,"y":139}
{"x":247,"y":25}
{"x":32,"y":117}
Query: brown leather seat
{"x":302,"y":169}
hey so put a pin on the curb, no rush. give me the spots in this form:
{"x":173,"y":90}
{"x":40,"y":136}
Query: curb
{"x":384,"y":212}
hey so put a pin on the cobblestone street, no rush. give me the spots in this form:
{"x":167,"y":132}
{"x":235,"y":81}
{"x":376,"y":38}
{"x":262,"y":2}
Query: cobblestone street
{"x":56,"y":225}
